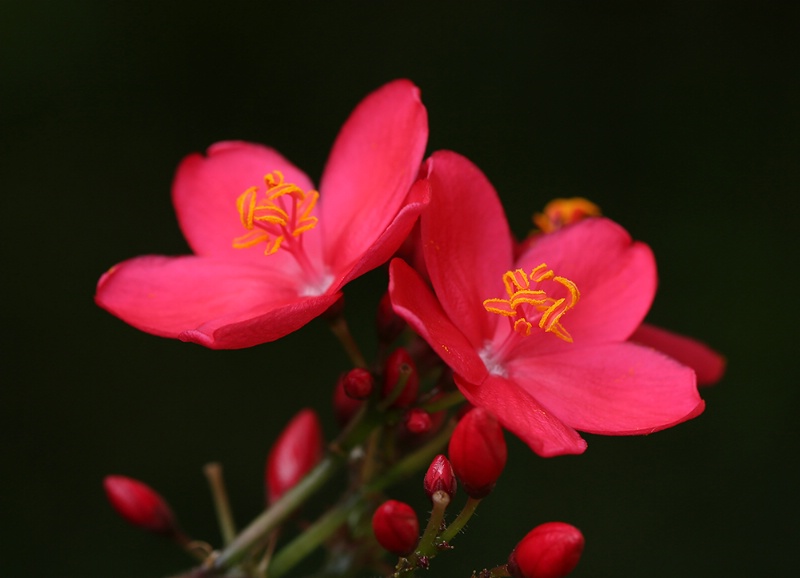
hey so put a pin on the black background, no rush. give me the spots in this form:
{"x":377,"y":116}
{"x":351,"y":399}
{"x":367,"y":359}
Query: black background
{"x":679,"y":119}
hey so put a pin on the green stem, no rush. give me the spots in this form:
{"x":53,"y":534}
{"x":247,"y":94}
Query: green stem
{"x":445,"y":402}
{"x":461,"y":520}
{"x":342,"y":333}
{"x":311,"y":537}
{"x":227,"y":526}
{"x":428,"y":542}
{"x":323,"y":528}
{"x":279,"y":511}
{"x":415,"y":461}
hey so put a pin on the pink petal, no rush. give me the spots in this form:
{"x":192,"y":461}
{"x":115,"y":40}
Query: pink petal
{"x":522,"y":415}
{"x":467,"y":243}
{"x":205,"y":190}
{"x":397,"y":232}
{"x":220,"y":304}
{"x":372,"y":165}
{"x":611,"y":389}
{"x":707,"y":363}
{"x":616,"y":278}
{"x":414,"y":302}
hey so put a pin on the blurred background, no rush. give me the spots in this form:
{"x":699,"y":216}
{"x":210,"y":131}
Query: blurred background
{"x":679,"y":119}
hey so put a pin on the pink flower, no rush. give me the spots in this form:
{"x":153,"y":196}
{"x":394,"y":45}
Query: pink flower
{"x":578,"y":293}
{"x":268,"y":258}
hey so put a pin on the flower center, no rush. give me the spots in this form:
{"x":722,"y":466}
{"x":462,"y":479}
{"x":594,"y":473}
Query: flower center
{"x":279,"y":216}
{"x":525,"y":304}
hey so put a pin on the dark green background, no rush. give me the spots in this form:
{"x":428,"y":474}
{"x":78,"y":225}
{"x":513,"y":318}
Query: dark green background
{"x":680,"y":120}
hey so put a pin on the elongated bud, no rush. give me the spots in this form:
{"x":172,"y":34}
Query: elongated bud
{"x":478,"y":452}
{"x":551,"y":550}
{"x":396,"y":527}
{"x":295,"y":453}
{"x":140,"y":505}
{"x":400,"y":366}
{"x":358,"y":383}
{"x":440,"y":477}
{"x":390,"y":324}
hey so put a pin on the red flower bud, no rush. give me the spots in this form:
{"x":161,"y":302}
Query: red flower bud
{"x":418,"y":421}
{"x":344,"y":406}
{"x":399,"y":366}
{"x":390,"y":324}
{"x":440,"y":477}
{"x":358,"y":383}
{"x":295,"y":453}
{"x":140,"y":505}
{"x":396,"y":527}
{"x":551,"y":550}
{"x":478,"y":452}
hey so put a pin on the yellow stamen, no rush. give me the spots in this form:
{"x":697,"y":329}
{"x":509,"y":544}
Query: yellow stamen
{"x":283,"y":211}
{"x":520,"y":294}
{"x":561,"y":212}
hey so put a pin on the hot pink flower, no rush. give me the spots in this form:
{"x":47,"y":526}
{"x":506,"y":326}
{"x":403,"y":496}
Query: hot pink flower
{"x":268,"y":257}
{"x":578,"y":293}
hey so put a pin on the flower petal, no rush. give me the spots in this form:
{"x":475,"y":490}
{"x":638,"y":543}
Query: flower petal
{"x":522,"y":415}
{"x":610,"y":389}
{"x":615,"y":275}
{"x":467,"y":243}
{"x":205,"y":190}
{"x":707,"y":363}
{"x":397,"y":232}
{"x":413,"y":301}
{"x":372,"y":166}
{"x":218,"y":303}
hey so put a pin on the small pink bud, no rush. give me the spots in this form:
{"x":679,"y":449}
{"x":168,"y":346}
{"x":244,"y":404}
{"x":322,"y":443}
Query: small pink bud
{"x":396,"y":527}
{"x":390,"y":324}
{"x":344,"y":406}
{"x":294,"y":454}
{"x":418,"y":421}
{"x":358,"y":383}
{"x":551,"y":550}
{"x":440,"y":477}
{"x":140,"y":505}
{"x":478,"y":452}
{"x":399,"y":366}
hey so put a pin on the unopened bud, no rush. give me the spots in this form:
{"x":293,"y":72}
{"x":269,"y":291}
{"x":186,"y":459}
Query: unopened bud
{"x":440,"y":477}
{"x":399,"y":367}
{"x":418,"y":421}
{"x":344,"y":406}
{"x":390,"y":324}
{"x":358,"y":383}
{"x":295,"y":453}
{"x":140,"y":505}
{"x":478,"y":452}
{"x":396,"y":527}
{"x":551,"y":550}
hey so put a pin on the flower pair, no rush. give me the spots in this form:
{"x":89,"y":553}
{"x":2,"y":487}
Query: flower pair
{"x":544,"y":340}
